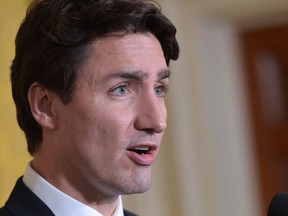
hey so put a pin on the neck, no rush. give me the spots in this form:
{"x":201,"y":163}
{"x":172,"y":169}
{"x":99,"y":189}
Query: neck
{"x":75,"y":186}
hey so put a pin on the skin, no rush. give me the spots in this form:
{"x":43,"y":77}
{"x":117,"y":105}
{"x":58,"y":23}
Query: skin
{"x":118,"y":105}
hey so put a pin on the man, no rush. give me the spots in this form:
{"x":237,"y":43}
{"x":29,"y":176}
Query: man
{"x":88,"y":80}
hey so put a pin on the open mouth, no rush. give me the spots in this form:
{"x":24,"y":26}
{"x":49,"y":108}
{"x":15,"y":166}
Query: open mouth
{"x":143,"y":155}
{"x":142,"y":150}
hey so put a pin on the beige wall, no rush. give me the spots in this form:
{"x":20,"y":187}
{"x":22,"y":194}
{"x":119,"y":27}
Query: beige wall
{"x":213,"y":171}
{"x":13,"y":154}
{"x":206,"y":167}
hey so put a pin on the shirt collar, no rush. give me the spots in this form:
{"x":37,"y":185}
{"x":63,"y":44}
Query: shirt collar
{"x":59,"y":202}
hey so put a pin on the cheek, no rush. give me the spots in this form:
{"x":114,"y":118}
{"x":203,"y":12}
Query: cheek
{"x":101,"y":124}
{"x":109,"y":127}
{"x":115,"y":124}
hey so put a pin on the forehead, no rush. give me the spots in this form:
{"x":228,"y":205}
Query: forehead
{"x":125,"y":52}
{"x":127,"y":44}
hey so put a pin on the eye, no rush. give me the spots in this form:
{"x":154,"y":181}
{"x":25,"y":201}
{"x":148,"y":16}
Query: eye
{"x":120,"y":90}
{"x":161,"y":90}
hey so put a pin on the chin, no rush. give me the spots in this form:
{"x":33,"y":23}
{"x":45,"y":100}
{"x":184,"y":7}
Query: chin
{"x":137,"y":185}
{"x":136,"y":190}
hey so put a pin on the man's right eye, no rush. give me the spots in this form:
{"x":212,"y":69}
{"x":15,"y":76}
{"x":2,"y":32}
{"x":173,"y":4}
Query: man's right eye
{"x":120,"y":90}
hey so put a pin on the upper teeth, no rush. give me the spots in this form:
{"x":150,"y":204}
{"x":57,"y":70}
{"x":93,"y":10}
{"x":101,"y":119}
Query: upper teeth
{"x":142,"y":148}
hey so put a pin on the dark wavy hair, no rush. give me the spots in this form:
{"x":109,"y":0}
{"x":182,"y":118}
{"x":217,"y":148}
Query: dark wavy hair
{"x":54,"y":39}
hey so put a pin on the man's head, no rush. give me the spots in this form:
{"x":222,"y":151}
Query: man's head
{"x":88,"y":80}
{"x":55,"y":40}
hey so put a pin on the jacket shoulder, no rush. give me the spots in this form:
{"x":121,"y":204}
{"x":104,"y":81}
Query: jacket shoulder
{"x":23,"y":202}
{"x":127,"y":213}
{"x":4,"y":212}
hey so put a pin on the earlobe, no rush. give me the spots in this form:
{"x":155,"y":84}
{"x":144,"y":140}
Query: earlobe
{"x":41,"y":105}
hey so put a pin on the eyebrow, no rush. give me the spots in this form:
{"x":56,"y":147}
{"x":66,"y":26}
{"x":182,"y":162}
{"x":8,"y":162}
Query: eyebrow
{"x":139,"y":75}
{"x":163,"y":74}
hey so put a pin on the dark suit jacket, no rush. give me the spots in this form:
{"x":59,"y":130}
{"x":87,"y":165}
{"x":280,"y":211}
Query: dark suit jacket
{"x":23,"y":202}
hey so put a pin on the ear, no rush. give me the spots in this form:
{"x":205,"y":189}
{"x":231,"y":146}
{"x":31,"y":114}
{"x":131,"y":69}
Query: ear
{"x":41,"y":105}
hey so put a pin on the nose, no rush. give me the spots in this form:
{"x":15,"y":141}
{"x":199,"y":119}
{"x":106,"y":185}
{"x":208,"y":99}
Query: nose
{"x":151,"y":114}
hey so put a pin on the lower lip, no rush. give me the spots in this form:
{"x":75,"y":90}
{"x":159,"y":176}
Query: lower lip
{"x":143,"y":159}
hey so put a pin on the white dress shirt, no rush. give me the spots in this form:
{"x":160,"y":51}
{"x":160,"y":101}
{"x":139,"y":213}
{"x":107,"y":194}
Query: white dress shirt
{"x":60,"y":203}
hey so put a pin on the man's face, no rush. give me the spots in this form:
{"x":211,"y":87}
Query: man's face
{"x":111,"y":130}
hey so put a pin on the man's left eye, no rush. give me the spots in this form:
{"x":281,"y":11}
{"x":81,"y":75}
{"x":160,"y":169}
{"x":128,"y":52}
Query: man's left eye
{"x":160,"y":90}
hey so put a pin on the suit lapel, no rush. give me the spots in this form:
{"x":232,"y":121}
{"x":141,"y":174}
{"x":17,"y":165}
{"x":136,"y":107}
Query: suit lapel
{"x":23,"y":202}
{"x":127,"y":213}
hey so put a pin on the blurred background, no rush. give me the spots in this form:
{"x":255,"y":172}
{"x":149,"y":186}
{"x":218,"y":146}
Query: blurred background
{"x":226,"y":148}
